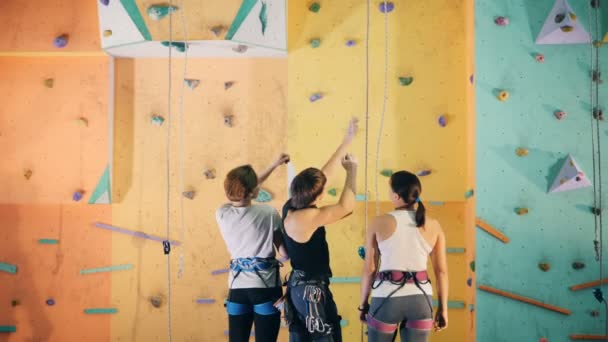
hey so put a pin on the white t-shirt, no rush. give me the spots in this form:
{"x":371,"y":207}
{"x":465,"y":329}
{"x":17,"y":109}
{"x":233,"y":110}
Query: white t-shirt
{"x":248,"y":232}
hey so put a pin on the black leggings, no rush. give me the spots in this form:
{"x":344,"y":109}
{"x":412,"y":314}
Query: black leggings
{"x":266,"y":326}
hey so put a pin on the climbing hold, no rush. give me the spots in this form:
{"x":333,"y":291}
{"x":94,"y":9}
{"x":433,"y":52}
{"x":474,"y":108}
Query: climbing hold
{"x":107,"y":33}
{"x":27,"y":174}
{"x":594,"y":313}
{"x":386,"y":172}
{"x":315,"y":97}
{"x":596,"y":76}
{"x":386,"y":7}
{"x":332,"y":192}
{"x":470,"y":282}
{"x":158,"y":12}
{"x":314,"y":7}
{"x":217,"y":30}
{"x":209,"y":173}
{"x":521,"y":211}
{"x":157,"y":120}
{"x":543,"y":339}
{"x":77,"y":196}
{"x":15,"y":302}
{"x":472,"y":265}
{"x":105,"y":2}
{"x":351,"y":42}
{"x":522,"y":152}
{"x":501,"y":21}
{"x":406,"y":81}
{"x":361,"y":252}
{"x":503,"y":96}
{"x":191,"y":83}
{"x":61,"y":41}
{"x":179,"y":46}
{"x":424,"y":173}
{"x":315,"y":43}
{"x":540,"y":58}
{"x":559,"y":114}
{"x":228,"y":85}
{"x":228,"y":120}
{"x":598,"y":114}
{"x":596,"y":211}
{"x":442,"y":121}
{"x":544,"y":266}
{"x":189,"y":194}
{"x":469,"y":193}
{"x":49,"y":83}
{"x":156,"y":301}
{"x":264,"y":196}
{"x":240,"y":48}
{"x":50,"y":302}
{"x":83,"y":122}
{"x":577,"y":265}
{"x":263,"y":17}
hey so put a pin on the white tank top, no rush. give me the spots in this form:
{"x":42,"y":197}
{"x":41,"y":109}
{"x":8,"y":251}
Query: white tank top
{"x":405,"y":250}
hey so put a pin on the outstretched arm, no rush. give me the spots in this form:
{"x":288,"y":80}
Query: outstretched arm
{"x":282,"y":159}
{"x":329,"y":169}
{"x":332,"y":213}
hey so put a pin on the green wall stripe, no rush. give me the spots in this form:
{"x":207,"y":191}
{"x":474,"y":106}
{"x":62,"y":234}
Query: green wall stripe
{"x":8,"y":268}
{"x":455,"y":250}
{"x":94,"y":311}
{"x":452,"y":304}
{"x":107,"y":269}
{"x":48,"y":241}
{"x":243,"y":12}
{"x":8,"y":328}
{"x":102,"y":186}
{"x":133,"y":11}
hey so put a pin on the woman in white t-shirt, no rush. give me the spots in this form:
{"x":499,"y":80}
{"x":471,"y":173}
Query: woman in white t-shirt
{"x":401,"y":291}
{"x":251,"y":233}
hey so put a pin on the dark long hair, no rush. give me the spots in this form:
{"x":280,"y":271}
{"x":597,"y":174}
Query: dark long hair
{"x":408,"y":187}
{"x":306,"y":187}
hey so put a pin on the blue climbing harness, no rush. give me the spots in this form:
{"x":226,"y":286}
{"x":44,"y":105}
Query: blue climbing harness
{"x":256,"y":265}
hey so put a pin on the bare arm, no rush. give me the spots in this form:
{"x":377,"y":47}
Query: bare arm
{"x":332,"y":213}
{"x":279,"y":243}
{"x":330,"y":167}
{"x":440,"y":266}
{"x":282,"y":159}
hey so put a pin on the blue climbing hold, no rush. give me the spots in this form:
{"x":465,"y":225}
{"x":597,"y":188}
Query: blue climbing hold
{"x":77,"y":196}
{"x":470,"y":282}
{"x":442,"y":121}
{"x":50,"y":302}
{"x":105,"y":2}
{"x":351,"y":42}
{"x":264,"y":196}
{"x":61,"y":41}
{"x":386,"y":7}
{"x":316,"y":97}
{"x":361,"y":252}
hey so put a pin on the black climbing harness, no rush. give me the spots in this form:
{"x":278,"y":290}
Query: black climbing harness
{"x":406,"y":277}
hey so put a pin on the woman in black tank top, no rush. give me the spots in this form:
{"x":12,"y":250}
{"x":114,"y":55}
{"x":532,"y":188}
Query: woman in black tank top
{"x":310,"y":310}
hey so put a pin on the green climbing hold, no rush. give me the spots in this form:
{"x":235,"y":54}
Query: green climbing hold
{"x":472,"y":265}
{"x":332,"y":192}
{"x":179,"y":46}
{"x":469,"y":193}
{"x":314,"y":7}
{"x":157,"y":12}
{"x":263,"y":17}
{"x":315,"y":43}
{"x":406,"y":81}
{"x":386,"y":172}
{"x":264,"y":196}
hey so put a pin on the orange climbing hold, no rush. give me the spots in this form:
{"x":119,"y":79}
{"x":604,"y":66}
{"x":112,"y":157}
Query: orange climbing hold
{"x":522,"y":152}
{"x":491,"y":230}
{"x":503,"y":96}
{"x":525,"y":299}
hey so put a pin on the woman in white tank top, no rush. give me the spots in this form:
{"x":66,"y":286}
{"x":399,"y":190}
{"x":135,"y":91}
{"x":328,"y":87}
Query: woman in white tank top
{"x":400,"y":243}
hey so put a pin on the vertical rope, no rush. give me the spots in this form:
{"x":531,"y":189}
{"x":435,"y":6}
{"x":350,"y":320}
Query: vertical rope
{"x":182,"y":236}
{"x":384,"y":102}
{"x":366,"y":126}
{"x":168,"y":170}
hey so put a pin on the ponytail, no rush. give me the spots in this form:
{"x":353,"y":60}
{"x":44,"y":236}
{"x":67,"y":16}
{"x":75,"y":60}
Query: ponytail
{"x":420,"y":214}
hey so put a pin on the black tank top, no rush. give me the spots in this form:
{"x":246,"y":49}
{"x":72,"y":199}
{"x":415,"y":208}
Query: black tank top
{"x":312,"y":256}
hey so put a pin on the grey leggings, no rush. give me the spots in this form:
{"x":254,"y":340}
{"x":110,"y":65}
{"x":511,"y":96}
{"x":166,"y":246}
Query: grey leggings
{"x":400,"y":310}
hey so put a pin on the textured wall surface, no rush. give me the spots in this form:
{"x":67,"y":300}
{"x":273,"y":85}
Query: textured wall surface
{"x":559,"y":228}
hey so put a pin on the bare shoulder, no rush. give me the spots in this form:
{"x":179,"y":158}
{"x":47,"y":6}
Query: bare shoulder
{"x":433,"y":225}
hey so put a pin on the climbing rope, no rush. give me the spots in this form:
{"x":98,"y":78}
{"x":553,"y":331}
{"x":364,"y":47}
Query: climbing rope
{"x":167,"y":246}
{"x":182,"y":236}
{"x":366,"y":128}
{"x":596,"y":145}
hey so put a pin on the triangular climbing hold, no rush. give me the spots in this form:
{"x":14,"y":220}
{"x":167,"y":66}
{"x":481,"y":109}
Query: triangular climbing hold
{"x":562,"y":26}
{"x":101,"y":195}
{"x":570,"y":177}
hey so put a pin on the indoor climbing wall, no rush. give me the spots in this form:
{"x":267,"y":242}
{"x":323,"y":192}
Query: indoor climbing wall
{"x":534,"y":168}
{"x":427,"y":124}
{"x":54,"y":138}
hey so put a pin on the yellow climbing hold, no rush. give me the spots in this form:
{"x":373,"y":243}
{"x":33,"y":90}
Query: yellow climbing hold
{"x":27,"y":174}
{"x":107,"y":33}
{"x":49,"y":83}
{"x":83,"y":122}
{"x":522,"y":211}
{"x":503,"y":96}
{"x":522,"y":152}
